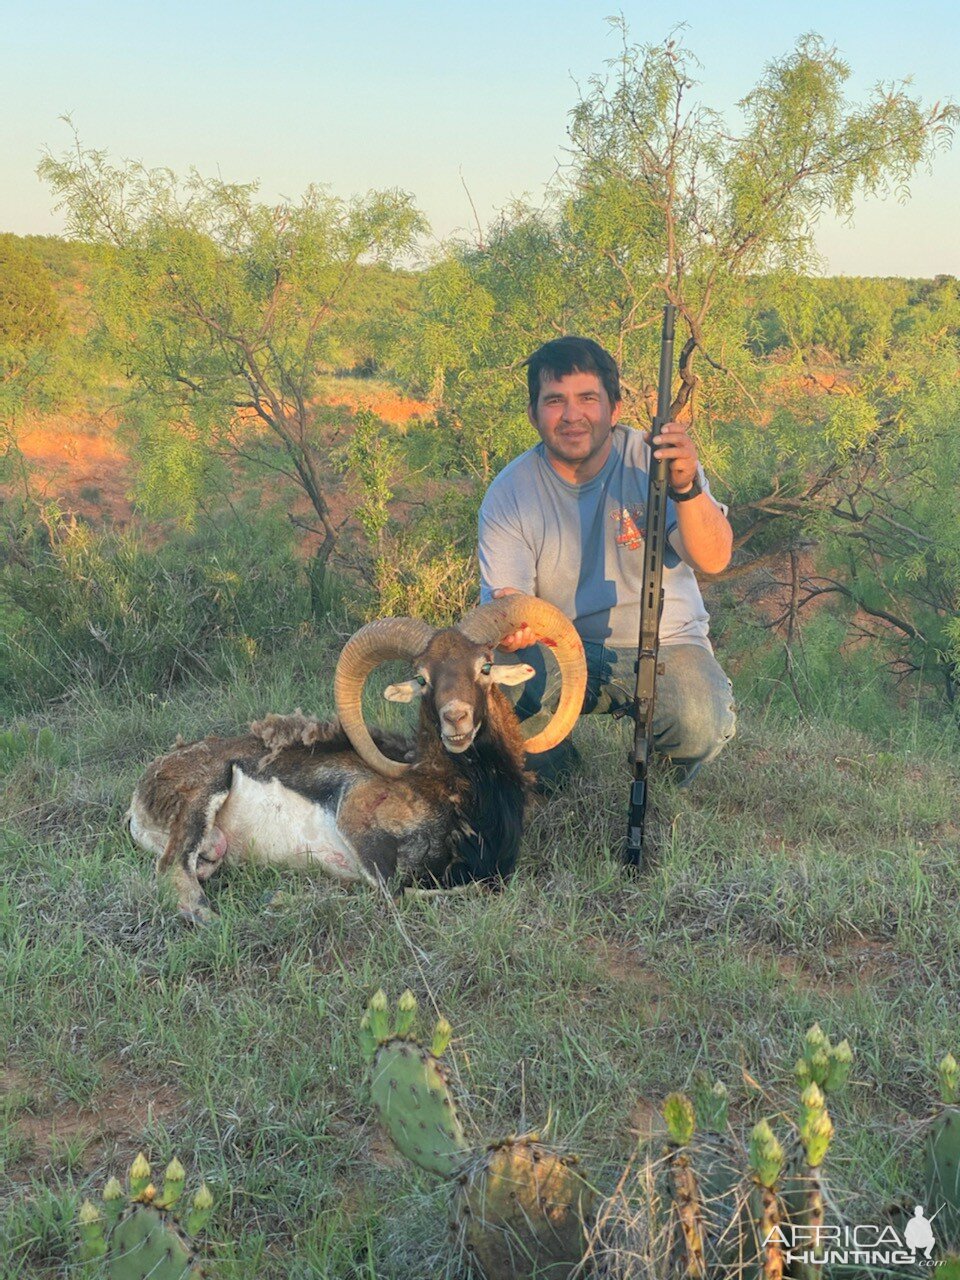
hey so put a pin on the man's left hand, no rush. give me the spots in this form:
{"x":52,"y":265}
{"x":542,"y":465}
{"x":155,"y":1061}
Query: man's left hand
{"x":678,"y":448}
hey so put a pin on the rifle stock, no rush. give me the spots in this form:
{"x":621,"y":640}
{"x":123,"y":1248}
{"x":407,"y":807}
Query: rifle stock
{"x":651,"y":605}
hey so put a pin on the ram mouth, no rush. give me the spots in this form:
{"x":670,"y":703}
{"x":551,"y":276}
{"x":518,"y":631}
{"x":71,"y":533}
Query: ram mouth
{"x":457,"y":742}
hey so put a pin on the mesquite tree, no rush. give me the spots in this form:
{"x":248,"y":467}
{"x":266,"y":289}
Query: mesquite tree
{"x":662,"y":199}
{"x":223,"y":311}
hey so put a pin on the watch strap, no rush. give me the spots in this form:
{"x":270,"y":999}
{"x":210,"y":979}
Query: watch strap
{"x":695,"y":489}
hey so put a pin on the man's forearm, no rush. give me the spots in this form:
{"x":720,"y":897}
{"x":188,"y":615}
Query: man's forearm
{"x":706,"y":533}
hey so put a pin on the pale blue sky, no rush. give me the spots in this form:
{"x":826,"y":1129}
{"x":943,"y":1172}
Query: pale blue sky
{"x":413,"y":94}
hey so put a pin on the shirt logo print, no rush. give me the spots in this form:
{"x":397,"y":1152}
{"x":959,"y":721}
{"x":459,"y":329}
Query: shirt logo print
{"x":630,"y":535}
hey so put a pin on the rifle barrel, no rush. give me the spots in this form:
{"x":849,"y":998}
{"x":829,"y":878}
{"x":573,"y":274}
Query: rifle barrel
{"x":651,"y":603}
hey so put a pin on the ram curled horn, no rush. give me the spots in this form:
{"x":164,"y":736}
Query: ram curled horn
{"x":405,"y":639}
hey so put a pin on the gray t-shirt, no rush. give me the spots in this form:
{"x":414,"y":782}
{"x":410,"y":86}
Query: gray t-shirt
{"x":580,"y":546}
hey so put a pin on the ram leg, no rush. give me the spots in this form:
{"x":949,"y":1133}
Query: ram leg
{"x":193,"y":837}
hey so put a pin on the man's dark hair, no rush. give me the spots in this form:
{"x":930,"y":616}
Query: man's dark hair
{"x":572,"y":355}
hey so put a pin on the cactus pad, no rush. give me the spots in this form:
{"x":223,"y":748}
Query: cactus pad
{"x":412,"y":1095}
{"x":146,"y":1243}
{"x":942,"y":1169}
{"x":139,"y":1237}
{"x":520,"y":1211}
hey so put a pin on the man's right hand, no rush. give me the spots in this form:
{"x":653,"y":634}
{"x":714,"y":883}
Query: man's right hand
{"x":521,"y":639}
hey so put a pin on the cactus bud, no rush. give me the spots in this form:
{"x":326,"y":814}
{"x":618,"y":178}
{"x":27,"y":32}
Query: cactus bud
{"x":173,"y":1179}
{"x":379,"y":1016}
{"x":815,"y":1133}
{"x":139,"y":1176}
{"x":148,"y":1194}
{"x":766,"y":1155}
{"x":442,"y":1035}
{"x":199,"y":1214}
{"x":812,"y":1098}
{"x":841,"y":1064}
{"x":679,"y":1115}
{"x":90,"y":1224}
{"x":368,"y":1041}
{"x":114,"y":1202}
{"x":819,"y":1064}
{"x":203,"y":1199}
{"x":949,"y":1073}
{"x":406,"y":1013}
{"x":815,"y":1041}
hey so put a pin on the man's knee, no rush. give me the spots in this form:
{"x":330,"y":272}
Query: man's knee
{"x":702,"y":731}
{"x":696,"y":715}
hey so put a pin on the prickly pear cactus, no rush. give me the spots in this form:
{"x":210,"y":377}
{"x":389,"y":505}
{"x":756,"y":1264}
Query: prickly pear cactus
{"x":718,"y":1162}
{"x":942,"y":1155}
{"x":410,"y":1087}
{"x":803,"y":1195}
{"x":823,"y":1064}
{"x":520,"y":1210}
{"x":680,"y":1118}
{"x":139,"y":1236}
{"x":766,"y":1166}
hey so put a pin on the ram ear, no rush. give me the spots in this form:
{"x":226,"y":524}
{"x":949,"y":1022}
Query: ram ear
{"x":405,"y":691}
{"x":511,"y":673}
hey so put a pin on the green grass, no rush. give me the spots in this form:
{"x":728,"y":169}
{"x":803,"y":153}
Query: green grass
{"x":811,"y":874}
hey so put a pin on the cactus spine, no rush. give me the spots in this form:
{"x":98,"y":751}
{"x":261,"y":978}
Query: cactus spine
{"x":139,"y":1237}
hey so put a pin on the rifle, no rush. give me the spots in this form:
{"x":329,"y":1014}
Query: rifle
{"x":651,"y":605}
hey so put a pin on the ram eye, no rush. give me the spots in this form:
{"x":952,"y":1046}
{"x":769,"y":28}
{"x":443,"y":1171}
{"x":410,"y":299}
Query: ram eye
{"x":421,"y":681}
{"x":486,"y":668}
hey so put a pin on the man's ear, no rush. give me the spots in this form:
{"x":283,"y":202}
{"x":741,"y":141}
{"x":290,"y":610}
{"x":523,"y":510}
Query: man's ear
{"x":615,"y":412}
{"x":510,"y":673}
{"x":405,"y":691}
{"x":531,"y":414}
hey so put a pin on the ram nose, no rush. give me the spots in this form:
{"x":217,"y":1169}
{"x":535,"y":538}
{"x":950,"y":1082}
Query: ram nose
{"x":457,"y":728}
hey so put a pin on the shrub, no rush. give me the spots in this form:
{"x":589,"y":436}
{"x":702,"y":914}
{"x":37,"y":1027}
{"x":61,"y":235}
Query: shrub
{"x":79,"y":605}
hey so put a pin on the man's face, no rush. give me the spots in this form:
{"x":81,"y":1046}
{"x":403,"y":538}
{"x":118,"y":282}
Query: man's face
{"x":574,"y":418}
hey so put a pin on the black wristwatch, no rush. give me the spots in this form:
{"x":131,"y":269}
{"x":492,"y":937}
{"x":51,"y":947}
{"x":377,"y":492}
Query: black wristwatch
{"x":695,"y":489}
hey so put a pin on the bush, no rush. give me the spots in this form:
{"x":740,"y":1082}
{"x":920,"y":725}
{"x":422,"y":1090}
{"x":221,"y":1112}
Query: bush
{"x":78,"y":605}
